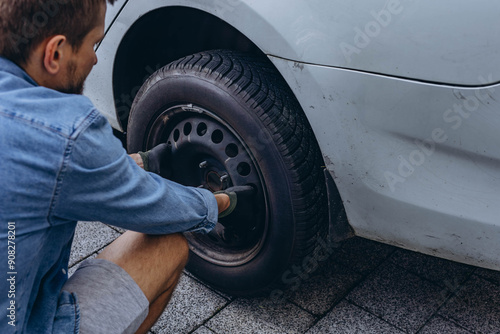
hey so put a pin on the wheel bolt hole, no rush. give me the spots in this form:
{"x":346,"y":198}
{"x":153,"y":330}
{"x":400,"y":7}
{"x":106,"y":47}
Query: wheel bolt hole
{"x":177,"y":135}
{"x":217,"y":136}
{"x":187,"y":128}
{"x":243,"y":169}
{"x":231,"y":150}
{"x":201,"y":129}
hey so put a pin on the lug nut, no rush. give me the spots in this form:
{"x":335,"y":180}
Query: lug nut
{"x":203,"y":164}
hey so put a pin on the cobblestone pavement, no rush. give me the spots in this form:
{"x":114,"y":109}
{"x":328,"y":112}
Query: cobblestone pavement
{"x":365,"y":287}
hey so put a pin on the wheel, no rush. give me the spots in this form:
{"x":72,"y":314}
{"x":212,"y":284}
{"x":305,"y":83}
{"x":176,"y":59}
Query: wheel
{"x":231,"y":120}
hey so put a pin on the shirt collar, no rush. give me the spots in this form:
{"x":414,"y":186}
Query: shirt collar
{"x":10,"y":67}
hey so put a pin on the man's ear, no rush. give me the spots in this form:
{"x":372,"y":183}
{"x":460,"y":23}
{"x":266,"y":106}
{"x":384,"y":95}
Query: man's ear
{"x":54,"y":53}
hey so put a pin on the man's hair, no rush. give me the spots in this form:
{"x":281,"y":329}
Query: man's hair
{"x":24,"y":24}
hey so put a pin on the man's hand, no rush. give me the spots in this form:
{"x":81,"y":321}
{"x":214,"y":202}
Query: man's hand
{"x":155,"y":160}
{"x":234,"y":195}
{"x":223,"y":202}
{"x":138,"y":160}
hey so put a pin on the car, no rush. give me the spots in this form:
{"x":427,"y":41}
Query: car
{"x":371,"y":118}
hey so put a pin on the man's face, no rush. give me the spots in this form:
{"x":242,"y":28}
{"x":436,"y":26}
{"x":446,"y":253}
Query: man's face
{"x":80,"y":63}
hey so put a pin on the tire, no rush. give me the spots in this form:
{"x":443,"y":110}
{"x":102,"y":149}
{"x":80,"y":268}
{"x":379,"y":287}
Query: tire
{"x":232,"y":120}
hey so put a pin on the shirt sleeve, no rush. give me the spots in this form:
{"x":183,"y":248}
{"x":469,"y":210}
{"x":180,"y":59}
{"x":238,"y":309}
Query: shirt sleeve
{"x":99,"y":181}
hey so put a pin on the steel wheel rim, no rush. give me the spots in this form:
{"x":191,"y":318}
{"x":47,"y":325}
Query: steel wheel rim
{"x":207,"y":152}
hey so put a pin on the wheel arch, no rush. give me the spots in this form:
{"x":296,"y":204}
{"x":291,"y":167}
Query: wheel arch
{"x":178,"y":32}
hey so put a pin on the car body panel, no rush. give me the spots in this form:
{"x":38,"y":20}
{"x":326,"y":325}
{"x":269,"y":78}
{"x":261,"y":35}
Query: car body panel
{"x":112,"y":11}
{"x":444,"y":41}
{"x":447,"y":41}
{"x":411,"y":171}
{"x":407,"y":116}
{"x":99,"y":84}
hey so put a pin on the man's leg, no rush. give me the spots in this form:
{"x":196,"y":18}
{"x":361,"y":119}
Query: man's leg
{"x":155,"y":263}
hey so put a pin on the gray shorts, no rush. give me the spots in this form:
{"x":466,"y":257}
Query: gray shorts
{"x":110,"y":301}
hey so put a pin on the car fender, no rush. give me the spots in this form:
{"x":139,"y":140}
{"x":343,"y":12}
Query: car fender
{"x":446,"y":41}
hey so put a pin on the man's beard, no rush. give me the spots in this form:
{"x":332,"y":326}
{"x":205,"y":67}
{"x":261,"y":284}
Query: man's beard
{"x":75,"y":84}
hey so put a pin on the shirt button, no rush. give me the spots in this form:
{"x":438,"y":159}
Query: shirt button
{"x":64,"y":271}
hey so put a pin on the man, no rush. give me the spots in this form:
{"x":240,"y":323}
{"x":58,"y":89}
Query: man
{"x":61,"y":164}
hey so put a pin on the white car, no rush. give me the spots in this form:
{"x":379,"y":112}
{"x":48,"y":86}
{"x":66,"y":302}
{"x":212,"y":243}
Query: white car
{"x":374,"y":118}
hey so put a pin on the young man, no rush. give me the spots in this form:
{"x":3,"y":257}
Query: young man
{"x":61,"y":164}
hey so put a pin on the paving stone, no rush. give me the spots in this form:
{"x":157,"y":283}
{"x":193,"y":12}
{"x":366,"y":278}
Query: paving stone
{"x":438,"y":325}
{"x":117,"y":229}
{"x":476,"y":306}
{"x":322,"y":291}
{"x":490,"y":275}
{"x":192,"y":276}
{"x":349,"y":318}
{"x":399,"y":297}
{"x":90,"y":237}
{"x":447,"y":274}
{"x":362,"y":255}
{"x":404,"y":291}
{"x":191,"y":305}
{"x":203,"y":330}
{"x":260,"y":315}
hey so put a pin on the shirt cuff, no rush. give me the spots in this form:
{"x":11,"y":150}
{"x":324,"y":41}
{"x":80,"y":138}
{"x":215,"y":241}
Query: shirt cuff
{"x":212,"y":215}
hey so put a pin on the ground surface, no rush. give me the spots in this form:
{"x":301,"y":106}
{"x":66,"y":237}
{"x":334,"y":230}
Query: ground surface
{"x":365,"y":287}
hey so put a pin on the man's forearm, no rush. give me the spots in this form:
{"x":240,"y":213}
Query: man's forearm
{"x":222,"y":199}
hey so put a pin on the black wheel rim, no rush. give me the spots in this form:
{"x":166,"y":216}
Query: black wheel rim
{"x":207,"y":152}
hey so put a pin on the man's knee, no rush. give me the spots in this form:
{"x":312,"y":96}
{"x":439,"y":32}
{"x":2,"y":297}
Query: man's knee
{"x":172,"y":248}
{"x":181,"y":246}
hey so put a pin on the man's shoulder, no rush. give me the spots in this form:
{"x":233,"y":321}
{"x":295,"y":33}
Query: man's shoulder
{"x":64,"y":114}
{"x":73,"y":113}
{"x":22,"y":100}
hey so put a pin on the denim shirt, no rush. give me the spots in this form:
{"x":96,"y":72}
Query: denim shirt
{"x":60,"y":164}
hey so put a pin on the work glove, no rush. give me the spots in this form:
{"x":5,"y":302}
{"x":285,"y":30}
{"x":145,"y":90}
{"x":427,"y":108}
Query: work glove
{"x":240,"y":203}
{"x":158,"y":159}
